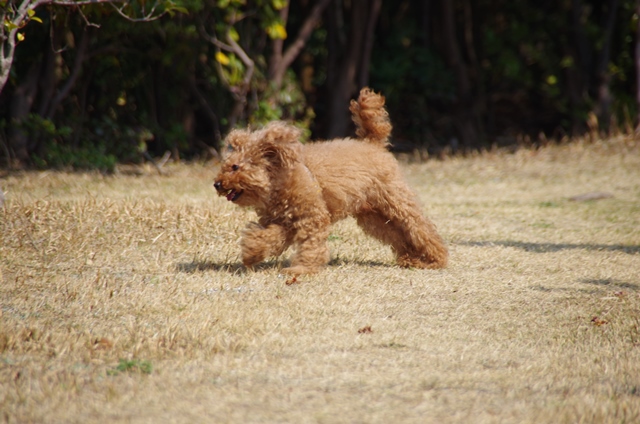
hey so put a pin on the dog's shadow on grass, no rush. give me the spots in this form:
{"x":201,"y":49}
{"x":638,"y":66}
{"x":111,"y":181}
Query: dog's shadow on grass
{"x":600,"y":284}
{"x":610,"y":283}
{"x":231,"y":268}
{"x":239,"y":268}
{"x":337,"y":262}
{"x":555,"y":247}
{"x":558,"y":247}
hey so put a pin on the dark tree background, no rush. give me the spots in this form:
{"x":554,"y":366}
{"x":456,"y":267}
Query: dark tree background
{"x":88,"y":89}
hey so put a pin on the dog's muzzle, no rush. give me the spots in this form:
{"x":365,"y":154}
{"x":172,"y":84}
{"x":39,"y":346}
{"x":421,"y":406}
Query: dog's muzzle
{"x":231,"y":194}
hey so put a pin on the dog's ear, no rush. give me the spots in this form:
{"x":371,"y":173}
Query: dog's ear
{"x":281,"y":143}
{"x":236,"y":139}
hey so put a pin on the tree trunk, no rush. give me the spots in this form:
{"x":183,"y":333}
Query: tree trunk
{"x":208,"y":111}
{"x":352,"y":67}
{"x":365,"y":62}
{"x":276,"y":71}
{"x":603,"y":78}
{"x":463,"y":107}
{"x":76,"y":70}
{"x":425,"y":21}
{"x":48,"y":79}
{"x":579,"y":76}
{"x":21,"y":103}
{"x":637,"y":54}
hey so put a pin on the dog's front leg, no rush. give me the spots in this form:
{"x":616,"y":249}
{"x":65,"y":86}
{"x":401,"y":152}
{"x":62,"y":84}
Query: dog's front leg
{"x":312,"y":251}
{"x":259,"y":243}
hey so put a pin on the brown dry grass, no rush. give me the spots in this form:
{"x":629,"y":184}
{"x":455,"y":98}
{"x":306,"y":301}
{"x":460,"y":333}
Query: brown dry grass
{"x":537,"y":318}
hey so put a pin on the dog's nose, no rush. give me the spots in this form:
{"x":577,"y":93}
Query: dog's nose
{"x":217,"y":185}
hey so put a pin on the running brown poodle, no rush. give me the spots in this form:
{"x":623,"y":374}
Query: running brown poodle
{"x":298,"y":190}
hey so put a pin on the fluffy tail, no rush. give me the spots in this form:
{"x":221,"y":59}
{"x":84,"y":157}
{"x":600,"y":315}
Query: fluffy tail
{"x":370,"y":117}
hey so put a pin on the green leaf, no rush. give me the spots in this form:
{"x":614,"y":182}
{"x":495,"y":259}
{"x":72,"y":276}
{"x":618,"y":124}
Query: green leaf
{"x":279,"y":4}
{"x":179,"y":9}
{"x":277,"y":31}
{"x":10,"y":25}
{"x":222,"y":58}
{"x":234,"y":34}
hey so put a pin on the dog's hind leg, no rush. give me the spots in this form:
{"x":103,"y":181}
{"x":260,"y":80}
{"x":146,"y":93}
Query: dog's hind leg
{"x":396,"y":220}
{"x":259,"y":243}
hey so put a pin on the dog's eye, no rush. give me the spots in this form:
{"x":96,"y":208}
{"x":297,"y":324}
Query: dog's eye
{"x":234,"y":167}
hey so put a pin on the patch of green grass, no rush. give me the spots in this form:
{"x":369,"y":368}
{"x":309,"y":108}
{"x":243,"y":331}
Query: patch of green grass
{"x":132,"y":365}
{"x":549,"y":204}
{"x":543,"y":224}
{"x":393,"y":345}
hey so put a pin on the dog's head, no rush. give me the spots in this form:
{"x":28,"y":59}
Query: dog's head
{"x":255,"y":160}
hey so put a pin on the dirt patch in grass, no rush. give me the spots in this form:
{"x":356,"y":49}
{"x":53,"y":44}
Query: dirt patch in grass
{"x":123,"y":300}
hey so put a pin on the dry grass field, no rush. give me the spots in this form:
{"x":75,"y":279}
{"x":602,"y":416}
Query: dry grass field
{"x":122,"y":300}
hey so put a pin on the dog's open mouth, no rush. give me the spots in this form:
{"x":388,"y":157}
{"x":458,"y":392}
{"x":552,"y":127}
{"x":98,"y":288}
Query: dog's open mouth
{"x":233,"y":195}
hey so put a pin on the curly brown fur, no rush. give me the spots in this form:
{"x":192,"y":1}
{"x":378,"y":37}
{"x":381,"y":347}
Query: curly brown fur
{"x":299,"y":190}
{"x":370,"y":117}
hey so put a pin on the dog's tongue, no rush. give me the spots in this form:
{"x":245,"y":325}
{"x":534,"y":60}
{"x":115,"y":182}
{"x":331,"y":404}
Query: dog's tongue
{"x":231,"y":195}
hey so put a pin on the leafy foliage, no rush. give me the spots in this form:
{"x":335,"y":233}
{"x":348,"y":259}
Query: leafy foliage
{"x":80,"y":158}
{"x":179,"y":83}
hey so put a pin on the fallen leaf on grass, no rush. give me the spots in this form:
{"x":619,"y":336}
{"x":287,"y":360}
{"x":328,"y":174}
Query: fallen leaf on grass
{"x":598,"y":321}
{"x":365,"y":330}
{"x":102,"y":343}
{"x":294,"y":280}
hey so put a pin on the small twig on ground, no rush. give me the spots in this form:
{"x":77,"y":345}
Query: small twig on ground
{"x":164,"y":159}
{"x":148,"y":157}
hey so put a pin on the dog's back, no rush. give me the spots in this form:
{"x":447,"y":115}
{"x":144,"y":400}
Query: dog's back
{"x":350,"y":170}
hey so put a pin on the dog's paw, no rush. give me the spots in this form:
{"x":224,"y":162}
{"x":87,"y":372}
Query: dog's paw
{"x":407,"y":261}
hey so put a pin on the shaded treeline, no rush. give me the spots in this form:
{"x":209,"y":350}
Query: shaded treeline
{"x":88,"y":88}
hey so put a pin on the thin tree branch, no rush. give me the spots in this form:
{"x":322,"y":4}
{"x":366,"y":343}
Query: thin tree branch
{"x":86,"y":20}
{"x":283,"y":61}
{"x":147,"y":18}
{"x":245,"y":59}
{"x":75,"y":73}
{"x":81,"y":2}
{"x":193,"y":85}
{"x":233,"y":47}
{"x":219,"y":46}
{"x":307,"y":28}
{"x":213,"y":39}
